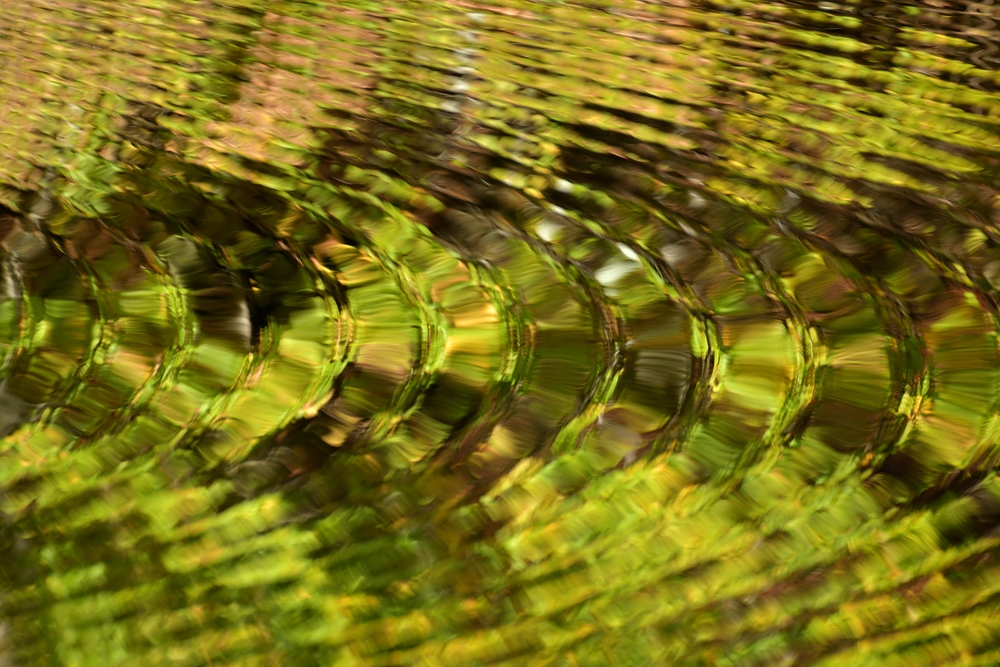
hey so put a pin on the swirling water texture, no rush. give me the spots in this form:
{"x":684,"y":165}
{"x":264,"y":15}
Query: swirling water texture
{"x":508,"y":333}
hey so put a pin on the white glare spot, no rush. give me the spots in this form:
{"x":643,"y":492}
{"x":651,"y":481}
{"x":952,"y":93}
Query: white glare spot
{"x":628,"y":252}
{"x":612,"y":272}
{"x":672,"y":254}
{"x":548,"y":230}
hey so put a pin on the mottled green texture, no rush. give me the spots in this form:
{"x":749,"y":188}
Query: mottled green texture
{"x":507,"y":333}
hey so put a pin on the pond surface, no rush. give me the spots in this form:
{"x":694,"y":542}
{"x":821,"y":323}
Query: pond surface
{"x":513,"y":333}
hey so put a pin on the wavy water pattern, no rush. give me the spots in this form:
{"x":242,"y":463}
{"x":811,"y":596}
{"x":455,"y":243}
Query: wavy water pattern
{"x":509,"y":332}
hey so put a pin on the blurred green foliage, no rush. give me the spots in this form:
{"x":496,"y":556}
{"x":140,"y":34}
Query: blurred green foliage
{"x":508,"y":333}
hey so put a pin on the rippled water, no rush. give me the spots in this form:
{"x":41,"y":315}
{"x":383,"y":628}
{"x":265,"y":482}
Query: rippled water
{"x":514,"y":333}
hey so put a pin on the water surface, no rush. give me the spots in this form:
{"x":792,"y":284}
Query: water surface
{"x":514,"y":333}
